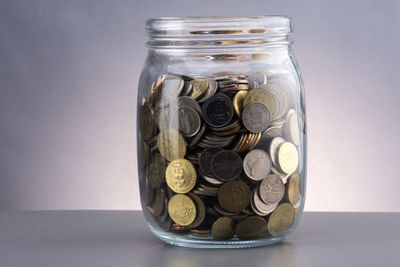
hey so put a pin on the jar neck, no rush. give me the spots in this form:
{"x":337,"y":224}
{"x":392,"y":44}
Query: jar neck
{"x":217,"y":34}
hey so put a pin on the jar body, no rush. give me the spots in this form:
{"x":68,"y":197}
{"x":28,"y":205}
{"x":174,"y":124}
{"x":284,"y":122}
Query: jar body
{"x":221,"y":145}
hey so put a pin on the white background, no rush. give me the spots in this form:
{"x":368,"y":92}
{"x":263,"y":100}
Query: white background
{"x":68,"y":77}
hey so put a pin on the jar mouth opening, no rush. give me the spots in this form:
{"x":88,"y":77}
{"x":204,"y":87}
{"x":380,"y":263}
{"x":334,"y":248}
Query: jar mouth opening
{"x":217,"y":32}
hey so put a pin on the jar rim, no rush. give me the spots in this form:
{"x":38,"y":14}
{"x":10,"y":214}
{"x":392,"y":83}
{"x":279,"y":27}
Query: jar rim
{"x":217,"y":25}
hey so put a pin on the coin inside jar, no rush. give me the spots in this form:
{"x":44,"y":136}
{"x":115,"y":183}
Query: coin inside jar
{"x":226,"y":165}
{"x":218,"y":111}
{"x":222,"y":229}
{"x":272,"y":189}
{"x":288,"y":157}
{"x":170,"y":89}
{"x":155,"y":172}
{"x":181,"y":176}
{"x":205,"y":160}
{"x":146,"y":121}
{"x":294,"y":190}
{"x":234,"y":196}
{"x":182,"y":209}
{"x":171,"y":144}
{"x":188,"y":120}
{"x":200,"y":87}
{"x":257,"y":164}
{"x":281,"y":219}
{"x":238,"y":102}
{"x":252,"y":227}
{"x":256,"y":117}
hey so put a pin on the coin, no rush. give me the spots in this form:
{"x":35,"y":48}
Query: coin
{"x":170,"y":89}
{"x":201,"y":210}
{"x":195,"y":139}
{"x":273,"y":148}
{"x":218,"y":111}
{"x":259,"y":207}
{"x":261,"y":95}
{"x":200,"y":233}
{"x":145,"y":154}
{"x":180,"y":176}
{"x":212,"y":88}
{"x":294,"y":191}
{"x":256,"y":117}
{"x":188,"y":120}
{"x":281,"y":219}
{"x":156,"y":207}
{"x":288,"y":157}
{"x":292,"y":127}
{"x":226,"y":165}
{"x":252,"y":227}
{"x":185,"y":101}
{"x":155,"y":172}
{"x":222,"y":229}
{"x":234,"y":196}
{"x":205,"y":160}
{"x":171,"y":144}
{"x":257,"y":164}
{"x":146,"y":121}
{"x":257,"y":79}
{"x":271,"y":189}
{"x":238,"y":102}
{"x":182,"y":209}
{"x":200,"y":87}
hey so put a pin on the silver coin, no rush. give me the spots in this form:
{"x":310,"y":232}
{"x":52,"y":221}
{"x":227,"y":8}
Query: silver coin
{"x":261,"y":208}
{"x":257,"y":79}
{"x":292,"y":127}
{"x":170,"y":90}
{"x":256,"y":117}
{"x":257,"y":164}
{"x":188,"y":120}
{"x":185,"y":101}
{"x":271,"y":190}
{"x":273,"y":148}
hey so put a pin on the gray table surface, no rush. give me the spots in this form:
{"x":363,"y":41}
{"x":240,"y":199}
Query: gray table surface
{"x":121,"y":238}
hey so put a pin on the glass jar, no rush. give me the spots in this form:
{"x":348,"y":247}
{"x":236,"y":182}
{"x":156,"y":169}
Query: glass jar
{"x":221,"y":131}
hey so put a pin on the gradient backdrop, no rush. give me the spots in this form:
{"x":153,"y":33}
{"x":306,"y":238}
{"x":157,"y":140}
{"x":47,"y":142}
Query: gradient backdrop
{"x":68,"y":77}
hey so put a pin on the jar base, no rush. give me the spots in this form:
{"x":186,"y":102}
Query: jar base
{"x":194,"y":242}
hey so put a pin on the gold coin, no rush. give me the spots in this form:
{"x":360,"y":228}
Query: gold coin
{"x":181,"y":209}
{"x":260,"y":95}
{"x":252,"y":227}
{"x":288,"y":157}
{"x":181,"y":176}
{"x":201,"y":210}
{"x":171,"y":144}
{"x":200,"y":87}
{"x":200,"y":233}
{"x":238,"y":102}
{"x":234,"y":196}
{"x":294,"y":194}
{"x":222,"y":229}
{"x":281,"y":219}
{"x":146,"y":121}
{"x":155,"y":172}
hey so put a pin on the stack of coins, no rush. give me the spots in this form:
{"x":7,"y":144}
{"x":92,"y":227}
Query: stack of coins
{"x":221,"y":155}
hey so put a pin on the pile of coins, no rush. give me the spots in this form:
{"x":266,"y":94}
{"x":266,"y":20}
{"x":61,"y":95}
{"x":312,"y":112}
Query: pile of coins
{"x":221,"y":155}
